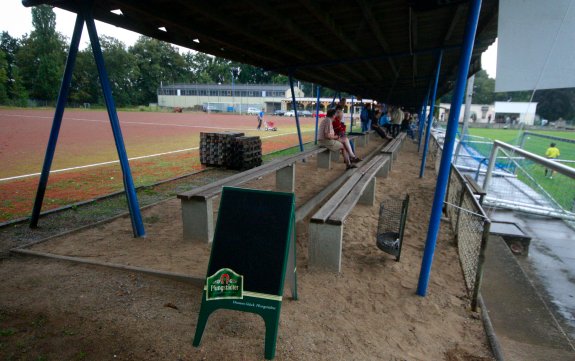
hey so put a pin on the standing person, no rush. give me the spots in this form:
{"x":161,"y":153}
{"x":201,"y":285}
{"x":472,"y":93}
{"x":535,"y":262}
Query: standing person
{"x":396,"y":118}
{"x":328,"y":139}
{"x":551,"y":153}
{"x":260,"y":119}
{"x":365,"y":117}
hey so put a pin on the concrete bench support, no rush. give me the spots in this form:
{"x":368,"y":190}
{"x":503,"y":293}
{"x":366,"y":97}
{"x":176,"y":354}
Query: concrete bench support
{"x":391,"y":159}
{"x":368,"y":195}
{"x":384,"y":171}
{"x":334,"y":156}
{"x":198,"y":220}
{"x":324,"y":160}
{"x":285,"y":179}
{"x":325,"y":243}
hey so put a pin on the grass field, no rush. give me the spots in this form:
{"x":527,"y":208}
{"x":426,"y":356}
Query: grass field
{"x":160,"y":146}
{"x":561,"y":188}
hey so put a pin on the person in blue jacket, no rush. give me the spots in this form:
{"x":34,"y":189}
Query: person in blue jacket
{"x":365,"y":117}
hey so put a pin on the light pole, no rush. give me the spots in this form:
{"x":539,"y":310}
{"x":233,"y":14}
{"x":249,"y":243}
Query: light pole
{"x":235,"y":72}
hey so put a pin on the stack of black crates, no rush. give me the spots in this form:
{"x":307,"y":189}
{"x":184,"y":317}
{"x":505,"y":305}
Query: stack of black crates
{"x":231,"y":150}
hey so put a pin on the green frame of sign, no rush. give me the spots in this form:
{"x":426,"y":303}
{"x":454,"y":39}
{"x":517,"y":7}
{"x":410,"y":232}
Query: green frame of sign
{"x":268,"y":306}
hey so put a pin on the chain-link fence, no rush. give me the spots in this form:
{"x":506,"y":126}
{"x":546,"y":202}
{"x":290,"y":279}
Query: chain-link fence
{"x":469,"y":223}
{"x":471,"y":226}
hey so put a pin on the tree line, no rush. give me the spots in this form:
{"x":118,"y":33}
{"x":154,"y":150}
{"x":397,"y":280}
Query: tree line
{"x":552,"y":103}
{"x":31,"y":67}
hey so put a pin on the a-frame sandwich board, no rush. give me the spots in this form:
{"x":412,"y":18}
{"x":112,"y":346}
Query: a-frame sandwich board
{"x":253,"y":239}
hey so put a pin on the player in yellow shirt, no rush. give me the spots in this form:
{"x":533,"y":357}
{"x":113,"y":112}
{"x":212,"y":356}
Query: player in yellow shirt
{"x":551,"y":153}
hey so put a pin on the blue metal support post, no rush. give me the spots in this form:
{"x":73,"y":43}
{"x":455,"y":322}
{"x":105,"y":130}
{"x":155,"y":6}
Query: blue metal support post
{"x":57,"y":122}
{"x":431,"y":109}
{"x":333,"y":100}
{"x":135,"y":215}
{"x":422,"y":118}
{"x":351,"y":115}
{"x":317,"y":113}
{"x":295,"y":112}
{"x":448,"y":145}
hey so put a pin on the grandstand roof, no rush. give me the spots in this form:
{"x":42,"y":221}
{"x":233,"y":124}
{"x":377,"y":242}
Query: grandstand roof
{"x":385,"y":50}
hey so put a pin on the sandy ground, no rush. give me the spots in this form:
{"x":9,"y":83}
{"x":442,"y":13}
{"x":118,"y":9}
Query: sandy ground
{"x":60,"y":310}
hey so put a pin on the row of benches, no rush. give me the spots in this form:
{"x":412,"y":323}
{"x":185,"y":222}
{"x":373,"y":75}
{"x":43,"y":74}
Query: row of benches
{"x":326,"y":225}
{"x":197,"y":204}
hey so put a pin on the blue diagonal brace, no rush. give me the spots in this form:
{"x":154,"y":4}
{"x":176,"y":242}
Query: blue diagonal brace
{"x":57,"y":122}
{"x":430,"y":120}
{"x":295,"y":112}
{"x":422,"y":117}
{"x":135,"y":215}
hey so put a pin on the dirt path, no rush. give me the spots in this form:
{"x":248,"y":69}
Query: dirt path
{"x":59,"y":310}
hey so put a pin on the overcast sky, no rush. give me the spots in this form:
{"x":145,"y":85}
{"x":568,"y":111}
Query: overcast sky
{"x":17,"y":20}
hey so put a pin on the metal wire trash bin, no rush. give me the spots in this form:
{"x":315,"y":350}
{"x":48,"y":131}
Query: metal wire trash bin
{"x":392,"y":217}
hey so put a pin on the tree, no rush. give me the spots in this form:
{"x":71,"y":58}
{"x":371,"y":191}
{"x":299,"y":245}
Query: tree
{"x":85,"y":87}
{"x":555,"y":103}
{"x":122,"y":70}
{"x":8,"y":48}
{"x":3,"y":78}
{"x":483,"y":88}
{"x":157,"y":62}
{"x":42,"y":55}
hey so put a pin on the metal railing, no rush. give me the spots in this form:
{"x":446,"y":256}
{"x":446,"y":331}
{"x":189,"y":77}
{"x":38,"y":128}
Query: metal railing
{"x":531,"y":192}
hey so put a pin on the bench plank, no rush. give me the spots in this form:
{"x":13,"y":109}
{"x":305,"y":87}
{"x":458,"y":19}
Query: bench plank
{"x":325,"y":211}
{"x":346,"y":206}
{"x":213,"y":189}
{"x":333,"y":204}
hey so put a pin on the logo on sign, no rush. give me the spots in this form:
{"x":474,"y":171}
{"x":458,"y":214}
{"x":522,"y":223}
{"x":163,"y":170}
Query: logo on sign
{"x":225,"y":284}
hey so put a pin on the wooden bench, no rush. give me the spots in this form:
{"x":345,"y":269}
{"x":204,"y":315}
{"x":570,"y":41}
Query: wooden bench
{"x":393,"y":147}
{"x":362,"y":139}
{"x":326,"y":225}
{"x":197,"y":204}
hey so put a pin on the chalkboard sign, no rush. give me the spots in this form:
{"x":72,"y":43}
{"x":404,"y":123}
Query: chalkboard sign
{"x":251,"y":237}
{"x":247,"y":267}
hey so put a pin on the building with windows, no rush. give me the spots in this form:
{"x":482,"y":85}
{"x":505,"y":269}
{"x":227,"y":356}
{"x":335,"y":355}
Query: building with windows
{"x":511,"y":113}
{"x":239,"y":98}
{"x":226,"y":97}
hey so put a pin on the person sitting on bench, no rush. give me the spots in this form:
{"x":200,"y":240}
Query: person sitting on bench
{"x":328,"y":139}
{"x":339,"y":130}
{"x":379,"y":130}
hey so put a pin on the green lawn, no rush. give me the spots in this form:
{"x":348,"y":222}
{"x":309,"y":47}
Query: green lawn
{"x":561,"y":188}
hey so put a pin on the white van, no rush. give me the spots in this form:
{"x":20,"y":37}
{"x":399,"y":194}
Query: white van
{"x":253,"y":111}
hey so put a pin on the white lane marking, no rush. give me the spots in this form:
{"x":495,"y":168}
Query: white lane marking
{"x":117,"y":161}
{"x":129,"y":122}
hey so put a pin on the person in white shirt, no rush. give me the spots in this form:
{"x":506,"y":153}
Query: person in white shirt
{"x":328,"y":139}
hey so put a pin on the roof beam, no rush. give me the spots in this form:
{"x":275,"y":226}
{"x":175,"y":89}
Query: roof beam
{"x":413,"y":40}
{"x":265,"y":9}
{"x":173,"y":23}
{"x":365,"y":9}
{"x":458,"y":14}
{"x":328,"y":22}
{"x":210,"y":13}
